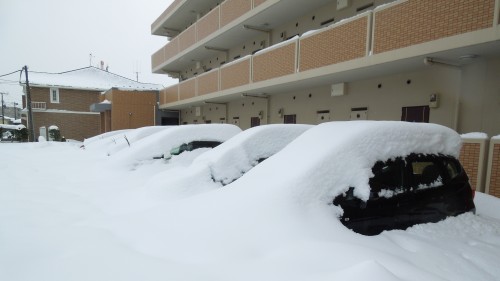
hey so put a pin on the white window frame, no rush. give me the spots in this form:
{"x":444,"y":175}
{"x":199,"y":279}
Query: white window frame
{"x":51,"y":93}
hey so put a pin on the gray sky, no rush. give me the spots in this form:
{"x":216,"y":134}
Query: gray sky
{"x":59,"y":35}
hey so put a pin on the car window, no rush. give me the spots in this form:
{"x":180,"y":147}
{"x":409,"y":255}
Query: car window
{"x":388,"y":179}
{"x":426,"y":174}
{"x":452,"y":168}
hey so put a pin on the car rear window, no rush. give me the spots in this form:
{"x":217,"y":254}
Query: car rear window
{"x":426,"y":174}
{"x":388,"y":179}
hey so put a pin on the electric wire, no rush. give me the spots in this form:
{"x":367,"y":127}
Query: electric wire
{"x":9,"y":73}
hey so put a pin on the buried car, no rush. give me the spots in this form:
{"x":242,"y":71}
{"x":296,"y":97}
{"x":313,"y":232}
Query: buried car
{"x":238,"y":155}
{"x":171,"y":137}
{"x":376,"y":175}
{"x":416,"y":179}
{"x":405,"y":191}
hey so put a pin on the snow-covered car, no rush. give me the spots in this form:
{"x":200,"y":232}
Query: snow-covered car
{"x":339,"y":164}
{"x":241,"y":153}
{"x":225,"y":163}
{"x":159,"y":142}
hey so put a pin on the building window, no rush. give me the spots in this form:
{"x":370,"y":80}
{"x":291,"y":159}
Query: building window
{"x":54,"y":95}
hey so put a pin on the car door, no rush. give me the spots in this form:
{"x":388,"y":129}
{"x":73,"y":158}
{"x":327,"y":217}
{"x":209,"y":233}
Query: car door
{"x":389,"y":195}
{"x":429,"y":180}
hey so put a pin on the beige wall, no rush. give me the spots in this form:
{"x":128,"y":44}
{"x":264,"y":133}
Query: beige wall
{"x":480,"y":97}
{"x":384,"y":103}
{"x":475,"y":85}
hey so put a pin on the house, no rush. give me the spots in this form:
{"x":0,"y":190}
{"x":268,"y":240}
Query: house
{"x":251,"y":62}
{"x":122,"y":108}
{"x":64,"y":99}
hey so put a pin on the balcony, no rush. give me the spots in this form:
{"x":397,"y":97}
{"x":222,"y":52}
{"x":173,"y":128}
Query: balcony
{"x":224,"y":26}
{"x":358,"y":45}
{"x":38,"y":105}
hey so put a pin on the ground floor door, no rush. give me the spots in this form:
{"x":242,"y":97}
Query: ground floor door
{"x":254,"y":121}
{"x":167,"y":121}
{"x":290,"y":119}
{"x":415,"y":114}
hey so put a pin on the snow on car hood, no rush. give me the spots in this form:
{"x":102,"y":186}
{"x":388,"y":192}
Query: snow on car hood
{"x":329,"y":158}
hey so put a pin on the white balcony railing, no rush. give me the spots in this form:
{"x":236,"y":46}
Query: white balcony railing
{"x":38,"y":105}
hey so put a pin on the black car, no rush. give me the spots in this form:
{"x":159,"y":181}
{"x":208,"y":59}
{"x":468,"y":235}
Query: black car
{"x":407,"y":191}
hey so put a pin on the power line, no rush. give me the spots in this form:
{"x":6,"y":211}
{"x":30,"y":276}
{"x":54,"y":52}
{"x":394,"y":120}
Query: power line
{"x":10,"y":73}
{"x":9,"y":82}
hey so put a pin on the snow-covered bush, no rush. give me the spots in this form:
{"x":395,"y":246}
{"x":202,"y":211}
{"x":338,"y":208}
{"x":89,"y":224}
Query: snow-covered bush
{"x":54,"y":133}
{"x":21,"y":134}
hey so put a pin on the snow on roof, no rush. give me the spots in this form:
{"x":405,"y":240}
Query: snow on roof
{"x":331,"y":157}
{"x":12,"y":127}
{"x":239,"y":154}
{"x":88,"y":78}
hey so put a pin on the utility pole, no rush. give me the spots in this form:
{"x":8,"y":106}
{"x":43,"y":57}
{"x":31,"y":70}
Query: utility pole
{"x":15,"y":110}
{"x":3,"y":117}
{"x":28,"y":104}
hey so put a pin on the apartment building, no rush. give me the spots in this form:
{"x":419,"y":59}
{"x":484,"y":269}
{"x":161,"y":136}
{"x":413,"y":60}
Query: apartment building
{"x":251,"y":62}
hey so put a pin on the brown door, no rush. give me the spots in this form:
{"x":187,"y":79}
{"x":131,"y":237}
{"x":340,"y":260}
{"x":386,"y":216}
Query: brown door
{"x":415,"y":114}
{"x":254,"y":121}
{"x":290,"y":119}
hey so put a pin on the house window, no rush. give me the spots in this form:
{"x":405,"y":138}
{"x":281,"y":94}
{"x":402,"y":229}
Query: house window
{"x":54,"y":95}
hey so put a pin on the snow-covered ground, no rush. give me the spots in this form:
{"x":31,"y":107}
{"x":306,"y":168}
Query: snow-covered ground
{"x":66,"y":214}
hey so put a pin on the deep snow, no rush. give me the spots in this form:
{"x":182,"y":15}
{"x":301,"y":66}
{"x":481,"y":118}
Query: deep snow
{"x":65,"y":215}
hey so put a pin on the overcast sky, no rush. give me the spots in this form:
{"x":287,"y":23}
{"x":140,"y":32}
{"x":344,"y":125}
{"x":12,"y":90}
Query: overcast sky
{"x":59,"y":35}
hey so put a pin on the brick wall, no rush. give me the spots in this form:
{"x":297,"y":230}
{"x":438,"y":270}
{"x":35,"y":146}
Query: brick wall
{"x":337,"y":44}
{"x":470,"y":159}
{"x":208,"y":82}
{"x":132,"y":109}
{"x":493,"y":178}
{"x":208,"y":24}
{"x":233,"y":9}
{"x":72,"y":126}
{"x":418,"y":21}
{"x":235,"y":74}
{"x":187,"y":89}
{"x":275,"y":63}
{"x":69,"y":99}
